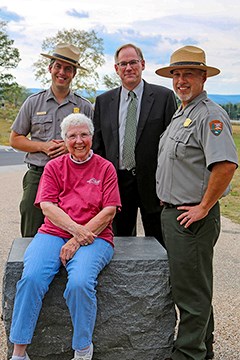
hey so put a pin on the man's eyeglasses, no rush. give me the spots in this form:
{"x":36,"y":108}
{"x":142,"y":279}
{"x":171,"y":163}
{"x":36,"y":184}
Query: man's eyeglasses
{"x":82,"y":136}
{"x":132,"y":63}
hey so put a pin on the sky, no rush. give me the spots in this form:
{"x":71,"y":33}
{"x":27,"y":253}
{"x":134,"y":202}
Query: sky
{"x":158,"y":27}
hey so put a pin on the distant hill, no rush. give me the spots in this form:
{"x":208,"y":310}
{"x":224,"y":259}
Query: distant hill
{"x":219,"y":99}
{"x":34,"y":90}
{"x":225,"y":99}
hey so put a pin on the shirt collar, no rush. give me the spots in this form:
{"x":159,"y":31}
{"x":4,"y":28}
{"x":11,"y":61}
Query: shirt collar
{"x":138,"y":91}
{"x":69,"y":97}
{"x":192,"y":104}
{"x":84,"y":161}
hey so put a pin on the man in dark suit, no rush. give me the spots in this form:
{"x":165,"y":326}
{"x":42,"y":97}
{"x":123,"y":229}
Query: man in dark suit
{"x":154,"y":107}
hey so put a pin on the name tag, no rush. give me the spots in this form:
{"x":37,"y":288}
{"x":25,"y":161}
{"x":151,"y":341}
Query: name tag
{"x":41,"y":113}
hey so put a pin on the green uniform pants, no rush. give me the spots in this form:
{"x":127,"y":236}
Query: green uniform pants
{"x":190,"y":254}
{"x":31,"y":217}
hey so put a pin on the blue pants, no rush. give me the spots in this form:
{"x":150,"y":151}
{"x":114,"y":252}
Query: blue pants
{"x":41,"y":264}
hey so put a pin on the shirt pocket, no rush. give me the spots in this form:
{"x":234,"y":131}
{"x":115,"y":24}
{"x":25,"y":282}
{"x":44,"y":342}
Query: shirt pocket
{"x":179,"y":144}
{"x":42,"y":127}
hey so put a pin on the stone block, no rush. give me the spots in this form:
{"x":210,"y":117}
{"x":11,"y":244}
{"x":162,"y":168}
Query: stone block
{"x":136,"y":316}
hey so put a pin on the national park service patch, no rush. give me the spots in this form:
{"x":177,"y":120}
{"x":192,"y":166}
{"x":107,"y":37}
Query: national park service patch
{"x":216,"y":127}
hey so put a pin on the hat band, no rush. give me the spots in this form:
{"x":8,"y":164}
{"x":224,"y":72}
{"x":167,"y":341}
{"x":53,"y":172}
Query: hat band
{"x":187,"y":63}
{"x":65,"y":58}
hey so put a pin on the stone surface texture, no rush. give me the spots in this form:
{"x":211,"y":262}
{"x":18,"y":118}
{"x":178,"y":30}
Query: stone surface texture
{"x":136,"y":316}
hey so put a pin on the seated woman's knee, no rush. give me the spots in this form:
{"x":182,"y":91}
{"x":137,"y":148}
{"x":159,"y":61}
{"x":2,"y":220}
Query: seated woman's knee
{"x":80,"y":283}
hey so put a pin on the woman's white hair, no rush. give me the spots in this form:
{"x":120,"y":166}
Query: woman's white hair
{"x":73,"y":120}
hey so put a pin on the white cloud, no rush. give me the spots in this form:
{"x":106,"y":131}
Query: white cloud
{"x":158,"y":28}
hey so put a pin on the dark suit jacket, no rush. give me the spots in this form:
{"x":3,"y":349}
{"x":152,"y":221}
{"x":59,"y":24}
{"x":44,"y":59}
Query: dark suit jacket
{"x":157,"y":107}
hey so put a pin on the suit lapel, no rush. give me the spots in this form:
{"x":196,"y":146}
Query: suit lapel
{"x":114,"y":112}
{"x":146,"y":105}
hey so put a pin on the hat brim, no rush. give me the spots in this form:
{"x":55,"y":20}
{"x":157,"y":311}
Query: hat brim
{"x":77,"y":65}
{"x":167,"y":71}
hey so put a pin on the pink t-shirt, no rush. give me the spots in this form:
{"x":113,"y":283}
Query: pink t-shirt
{"x":81,"y":190}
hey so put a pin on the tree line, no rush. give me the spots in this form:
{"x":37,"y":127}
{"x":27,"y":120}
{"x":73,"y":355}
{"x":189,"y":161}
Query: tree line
{"x":233,"y":110}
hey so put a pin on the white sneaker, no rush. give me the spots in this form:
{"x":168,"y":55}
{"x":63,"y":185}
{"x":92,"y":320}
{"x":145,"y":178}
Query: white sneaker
{"x":88,"y":356}
{"x":26,"y":357}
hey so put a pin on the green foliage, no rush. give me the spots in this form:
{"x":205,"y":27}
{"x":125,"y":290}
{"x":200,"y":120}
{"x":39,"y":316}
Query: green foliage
{"x":233,"y":110}
{"x":8,"y":113}
{"x":111,"y":81}
{"x":14,"y":94}
{"x":91,"y":49}
{"x":10,"y":91}
{"x":9,"y":58}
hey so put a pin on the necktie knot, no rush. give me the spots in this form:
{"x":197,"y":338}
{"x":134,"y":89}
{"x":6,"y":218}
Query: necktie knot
{"x":132,"y":95}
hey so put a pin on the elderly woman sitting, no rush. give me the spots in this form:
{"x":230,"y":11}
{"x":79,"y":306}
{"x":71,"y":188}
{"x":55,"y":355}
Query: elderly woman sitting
{"x":78,"y":194}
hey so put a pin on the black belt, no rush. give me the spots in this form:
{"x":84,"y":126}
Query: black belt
{"x":172,"y":206}
{"x":35,"y":167}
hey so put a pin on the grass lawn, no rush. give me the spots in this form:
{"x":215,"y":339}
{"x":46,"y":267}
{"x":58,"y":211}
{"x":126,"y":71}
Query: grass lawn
{"x":4,"y":131}
{"x":230,"y":205}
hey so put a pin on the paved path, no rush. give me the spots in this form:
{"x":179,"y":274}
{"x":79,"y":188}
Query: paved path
{"x":10,"y":156}
{"x":226,"y":265}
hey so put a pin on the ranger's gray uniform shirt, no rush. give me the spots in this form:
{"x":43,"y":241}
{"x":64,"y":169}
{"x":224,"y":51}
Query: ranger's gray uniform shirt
{"x":41,"y":115}
{"x":198,"y":136}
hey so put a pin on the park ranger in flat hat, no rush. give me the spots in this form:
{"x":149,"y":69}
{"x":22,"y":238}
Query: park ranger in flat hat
{"x":196,"y":162}
{"x":40,"y":117}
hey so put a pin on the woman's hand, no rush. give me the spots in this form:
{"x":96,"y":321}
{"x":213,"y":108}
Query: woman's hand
{"x":68,"y":250}
{"x":84,"y":236}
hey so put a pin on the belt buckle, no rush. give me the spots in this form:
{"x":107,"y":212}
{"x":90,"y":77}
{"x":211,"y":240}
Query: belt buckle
{"x":133,"y":170}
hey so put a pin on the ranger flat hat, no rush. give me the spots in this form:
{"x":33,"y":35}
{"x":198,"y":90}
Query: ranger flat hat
{"x":187,"y":57}
{"x":67,"y":53}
